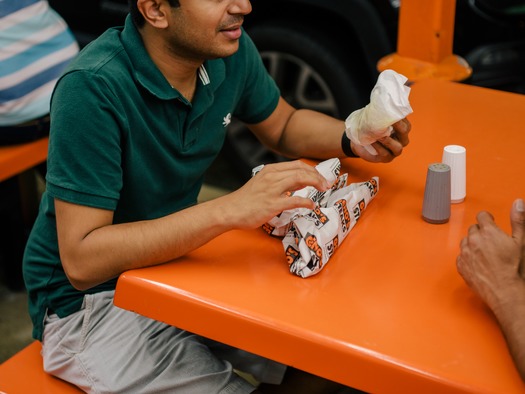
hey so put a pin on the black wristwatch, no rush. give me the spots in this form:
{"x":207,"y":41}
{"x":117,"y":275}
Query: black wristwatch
{"x":347,"y":147}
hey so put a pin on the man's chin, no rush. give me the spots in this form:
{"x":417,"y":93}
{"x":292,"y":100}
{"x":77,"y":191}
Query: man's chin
{"x":226,"y":51}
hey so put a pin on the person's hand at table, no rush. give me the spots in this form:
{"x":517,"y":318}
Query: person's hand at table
{"x":387,"y":148}
{"x":490,"y":262}
{"x":268,"y":193}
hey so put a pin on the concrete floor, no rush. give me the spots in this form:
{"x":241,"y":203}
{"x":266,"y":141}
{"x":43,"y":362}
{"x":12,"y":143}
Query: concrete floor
{"x":15,"y":325}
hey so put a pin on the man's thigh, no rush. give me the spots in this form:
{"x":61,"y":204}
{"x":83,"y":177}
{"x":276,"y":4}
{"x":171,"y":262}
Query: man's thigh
{"x":103,"y":348}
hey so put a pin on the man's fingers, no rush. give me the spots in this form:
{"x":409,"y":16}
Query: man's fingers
{"x":517,"y":220}
{"x":473,"y":229}
{"x":485,"y":219}
{"x":294,"y":202}
{"x":287,"y":165}
{"x":463,"y":243}
{"x":292,"y":176}
{"x":401,"y":131}
{"x":389,"y":146}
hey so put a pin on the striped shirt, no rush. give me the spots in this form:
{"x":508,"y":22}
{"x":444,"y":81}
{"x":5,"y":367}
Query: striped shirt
{"x":35,"y":47}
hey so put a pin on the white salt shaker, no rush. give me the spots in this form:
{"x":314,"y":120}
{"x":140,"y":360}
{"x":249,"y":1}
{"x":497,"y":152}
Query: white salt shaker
{"x":455,"y":157}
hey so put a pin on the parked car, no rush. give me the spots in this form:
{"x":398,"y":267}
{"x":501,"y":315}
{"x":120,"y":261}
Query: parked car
{"x":323,"y":54}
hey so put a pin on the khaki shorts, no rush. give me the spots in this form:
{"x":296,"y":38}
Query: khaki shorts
{"x":105,"y":349}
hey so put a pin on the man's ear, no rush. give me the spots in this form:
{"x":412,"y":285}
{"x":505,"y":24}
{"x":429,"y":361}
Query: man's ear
{"x":153,"y":12}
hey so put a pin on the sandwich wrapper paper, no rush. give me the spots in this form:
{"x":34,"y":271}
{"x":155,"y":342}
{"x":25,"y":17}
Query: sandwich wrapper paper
{"x":310,"y":237}
{"x":388,"y":105}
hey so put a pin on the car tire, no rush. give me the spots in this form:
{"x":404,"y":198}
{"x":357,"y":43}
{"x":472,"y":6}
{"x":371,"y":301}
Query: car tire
{"x":310,"y":71}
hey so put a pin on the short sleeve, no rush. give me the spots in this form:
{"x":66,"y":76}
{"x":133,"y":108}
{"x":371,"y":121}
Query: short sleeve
{"x":84,"y":162}
{"x":261,"y":94}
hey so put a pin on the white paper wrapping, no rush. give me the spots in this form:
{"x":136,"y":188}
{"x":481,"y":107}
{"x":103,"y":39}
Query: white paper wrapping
{"x":388,"y":105}
{"x":310,"y":237}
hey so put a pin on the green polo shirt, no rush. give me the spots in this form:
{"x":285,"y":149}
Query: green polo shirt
{"x":123,"y":139}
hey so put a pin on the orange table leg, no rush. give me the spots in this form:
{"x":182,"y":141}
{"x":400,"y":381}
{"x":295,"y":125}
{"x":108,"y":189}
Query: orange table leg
{"x":425,"y":40}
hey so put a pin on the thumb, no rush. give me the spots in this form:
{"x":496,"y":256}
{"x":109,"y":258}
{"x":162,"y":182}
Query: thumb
{"x":517,"y":220}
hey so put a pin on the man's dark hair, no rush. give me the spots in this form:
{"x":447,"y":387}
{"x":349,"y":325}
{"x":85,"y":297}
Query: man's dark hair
{"x":137,"y":17}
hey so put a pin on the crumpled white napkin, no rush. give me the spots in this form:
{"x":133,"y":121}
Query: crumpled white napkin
{"x":388,"y":105}
{"x":310,"y":237}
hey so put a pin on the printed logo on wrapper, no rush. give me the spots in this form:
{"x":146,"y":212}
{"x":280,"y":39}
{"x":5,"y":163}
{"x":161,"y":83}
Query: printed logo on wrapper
{"x":332,"y":246}
{"x":317,"y":217}
{"x":360,"y":207}
{"x":344,"y":215}
{"x":311,"y":242}
{"x":292,"y":255}
{"x":311,"y":237}
{"x":268,"y":228}
{"x":372,"y":183}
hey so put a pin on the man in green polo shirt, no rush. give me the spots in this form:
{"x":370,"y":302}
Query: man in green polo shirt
{"x":136,"y":121}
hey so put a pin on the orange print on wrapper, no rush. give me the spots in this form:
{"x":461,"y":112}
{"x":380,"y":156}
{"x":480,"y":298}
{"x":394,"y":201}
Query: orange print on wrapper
{"x":320,"y":215}
{"x":311,"y":242}
{"x":292,"y":255}
{"x":344,"y":215}
{"x":268,"y":228}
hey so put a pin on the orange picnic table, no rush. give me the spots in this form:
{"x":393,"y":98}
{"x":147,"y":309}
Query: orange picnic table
{"x":389,"y":313}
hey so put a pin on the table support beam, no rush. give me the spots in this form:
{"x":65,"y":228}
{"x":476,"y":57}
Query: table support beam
{"x":425,"y":41}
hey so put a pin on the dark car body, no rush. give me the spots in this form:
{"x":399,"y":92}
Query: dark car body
{"x":323,"y":53}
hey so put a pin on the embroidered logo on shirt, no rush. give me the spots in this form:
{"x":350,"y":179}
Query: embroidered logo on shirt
{"x":227,"y":120}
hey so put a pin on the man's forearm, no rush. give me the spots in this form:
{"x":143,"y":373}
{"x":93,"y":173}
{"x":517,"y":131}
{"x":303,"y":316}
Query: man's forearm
{"x":312,"y":134}
{"x":109,"y":250}
{"x":510,"y":312}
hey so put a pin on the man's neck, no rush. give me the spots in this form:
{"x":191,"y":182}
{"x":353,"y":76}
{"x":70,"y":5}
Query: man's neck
{"x":181,"y":73}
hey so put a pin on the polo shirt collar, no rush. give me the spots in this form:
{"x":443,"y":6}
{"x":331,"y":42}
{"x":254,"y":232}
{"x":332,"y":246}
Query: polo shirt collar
{"x":211,"y":73}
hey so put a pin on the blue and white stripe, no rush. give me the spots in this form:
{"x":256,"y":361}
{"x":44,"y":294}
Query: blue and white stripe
{"x":35,"y":47}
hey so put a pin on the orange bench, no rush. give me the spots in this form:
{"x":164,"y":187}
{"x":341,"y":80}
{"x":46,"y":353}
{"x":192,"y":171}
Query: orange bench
{"x":23,"y":374}
{"x":15,"y":159}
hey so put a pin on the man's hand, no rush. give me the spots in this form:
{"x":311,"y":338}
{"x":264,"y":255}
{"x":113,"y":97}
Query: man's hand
{"x":490,"y":260}
{"x":387,"y":148}
{"x":268,"y":193}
